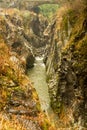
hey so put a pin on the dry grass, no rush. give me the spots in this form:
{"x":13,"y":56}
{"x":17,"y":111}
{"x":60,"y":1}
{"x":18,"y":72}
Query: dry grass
{"x":6,"y":124}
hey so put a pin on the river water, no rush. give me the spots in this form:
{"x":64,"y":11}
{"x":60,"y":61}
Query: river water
{"x":37,"y":75}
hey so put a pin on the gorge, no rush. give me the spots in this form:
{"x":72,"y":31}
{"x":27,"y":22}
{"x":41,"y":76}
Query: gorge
{"x":43,"y":67}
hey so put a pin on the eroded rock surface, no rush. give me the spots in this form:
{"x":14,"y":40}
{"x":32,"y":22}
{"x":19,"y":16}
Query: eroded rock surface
{"x":66,"y":63}
{"x":19,"y":104}
{"x":23,"y":32}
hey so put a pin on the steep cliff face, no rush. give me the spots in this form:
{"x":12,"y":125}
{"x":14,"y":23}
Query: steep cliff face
{"x":36,"y":25}
{"x":23,"y":32}
{"x":13,"y":30}
{"x":19,"y":104}
{"x":66,"y":63}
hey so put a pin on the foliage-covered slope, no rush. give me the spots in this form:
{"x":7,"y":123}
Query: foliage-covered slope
{"x":48,"y":9}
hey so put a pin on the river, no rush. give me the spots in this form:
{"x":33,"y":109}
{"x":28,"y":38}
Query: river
{"x":37,"y":75}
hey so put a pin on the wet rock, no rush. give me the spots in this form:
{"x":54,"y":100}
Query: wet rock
{"x":30,"y":60}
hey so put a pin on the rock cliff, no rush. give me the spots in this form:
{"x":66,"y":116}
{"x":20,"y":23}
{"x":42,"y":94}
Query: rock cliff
{"x":13,"y":30}
{"x":66,"y":61}
{"x":19,"y":104}
{"x":23,"y":32}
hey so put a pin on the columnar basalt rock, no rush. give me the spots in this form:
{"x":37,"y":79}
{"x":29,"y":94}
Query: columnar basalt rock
{"x":66,"y":68}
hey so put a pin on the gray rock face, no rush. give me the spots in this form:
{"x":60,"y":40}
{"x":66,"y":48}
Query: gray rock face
{"x":13,"y":32}
{"x":64,"y":78}
{"x":37,"y":26}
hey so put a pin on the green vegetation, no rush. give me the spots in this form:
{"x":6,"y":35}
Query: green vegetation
{"x":48,"y":9}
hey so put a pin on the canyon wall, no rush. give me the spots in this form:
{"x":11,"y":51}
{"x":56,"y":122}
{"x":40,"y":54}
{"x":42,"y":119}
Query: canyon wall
{"x":19,"y":103}
{"x":23,"y":32}
{"x":66,"y":61}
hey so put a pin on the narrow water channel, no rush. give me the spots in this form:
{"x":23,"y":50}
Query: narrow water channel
{"x":37,"y":76}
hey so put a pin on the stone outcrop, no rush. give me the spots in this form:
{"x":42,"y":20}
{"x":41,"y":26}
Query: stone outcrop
{"x":19,"y":104}
{"x":13,"y":32}
{"x":36,"y":26}
{"x":23,"y":32}
{"x":66,"y":62}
